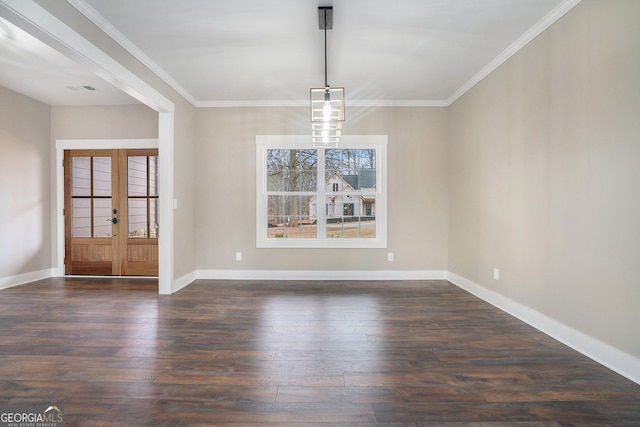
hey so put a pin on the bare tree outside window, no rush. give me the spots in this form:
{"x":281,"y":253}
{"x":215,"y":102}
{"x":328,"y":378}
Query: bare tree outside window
{"x":291,"y":173}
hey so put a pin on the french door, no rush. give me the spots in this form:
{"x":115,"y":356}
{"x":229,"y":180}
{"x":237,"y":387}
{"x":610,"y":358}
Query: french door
{"x":111,"y":212}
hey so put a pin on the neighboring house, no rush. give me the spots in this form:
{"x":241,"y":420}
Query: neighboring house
{"x":361,"y":203}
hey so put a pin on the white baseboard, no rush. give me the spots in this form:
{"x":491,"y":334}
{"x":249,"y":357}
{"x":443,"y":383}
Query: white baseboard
{"x":21,"y":279}
{"x":322,"y":275}
{"x":183,"y":281}
{"x":611,"y":357}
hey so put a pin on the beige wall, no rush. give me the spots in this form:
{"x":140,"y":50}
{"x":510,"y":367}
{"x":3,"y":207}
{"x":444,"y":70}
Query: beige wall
{"x":417,"y":195}
{"x":545,"y":173}
{"x":184,"y":186}
{"x":24,"y":185}
{"x":103,"y":122}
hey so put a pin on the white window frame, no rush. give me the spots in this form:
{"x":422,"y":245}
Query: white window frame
{"x":266,"y":142}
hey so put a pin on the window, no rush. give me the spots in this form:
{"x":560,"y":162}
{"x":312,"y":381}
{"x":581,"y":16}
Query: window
{"x":294,"y":180}
{"x":91,"y":197}
{"x":142,"y":195}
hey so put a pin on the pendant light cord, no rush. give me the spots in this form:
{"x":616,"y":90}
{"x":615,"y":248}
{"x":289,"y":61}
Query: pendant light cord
{"x":326,"y":80}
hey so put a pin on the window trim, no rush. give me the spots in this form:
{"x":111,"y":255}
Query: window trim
{"x":266,"y":142}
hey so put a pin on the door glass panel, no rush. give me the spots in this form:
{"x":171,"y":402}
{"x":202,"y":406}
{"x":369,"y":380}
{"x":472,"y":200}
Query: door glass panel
{"x":137,"y":175}
{"x":102,"y":225}
{"x":91,"y":192}
{"x":81,"y":176}
{"x":81,"y":218}
{"x":137,"y":218}
{"x":153,"y":218}
{"x":102,"y":176}
{"x":142,"y":196}
{"x":153,"y":175}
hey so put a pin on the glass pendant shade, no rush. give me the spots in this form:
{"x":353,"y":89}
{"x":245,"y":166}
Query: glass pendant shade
{"x":327,"y":115}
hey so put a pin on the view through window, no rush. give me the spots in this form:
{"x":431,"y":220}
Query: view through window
{"x":321,"y":197}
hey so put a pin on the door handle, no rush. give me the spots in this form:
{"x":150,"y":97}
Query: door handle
{"x":113,"y":220}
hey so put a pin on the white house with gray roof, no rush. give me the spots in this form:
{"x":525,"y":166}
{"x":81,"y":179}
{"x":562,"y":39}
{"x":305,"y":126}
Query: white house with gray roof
{"x":348,"y":195}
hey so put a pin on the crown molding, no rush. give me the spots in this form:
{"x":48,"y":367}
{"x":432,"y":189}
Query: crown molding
{"x":305,"y":103}
{"x":253,"y":103}
{"x":397,"y":103}
{"x":557,"y":13}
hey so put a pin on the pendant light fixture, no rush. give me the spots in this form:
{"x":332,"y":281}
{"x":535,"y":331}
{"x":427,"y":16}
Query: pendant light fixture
{"x":327,"y":103}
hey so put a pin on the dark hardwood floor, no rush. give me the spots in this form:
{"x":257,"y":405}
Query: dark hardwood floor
{"x":241,"y":353}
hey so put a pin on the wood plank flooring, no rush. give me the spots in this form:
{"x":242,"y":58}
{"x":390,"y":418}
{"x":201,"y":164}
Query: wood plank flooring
{"x":113,"y":352}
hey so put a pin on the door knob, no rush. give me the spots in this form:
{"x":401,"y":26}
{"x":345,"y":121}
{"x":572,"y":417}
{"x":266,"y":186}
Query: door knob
{"x":113,"y":220}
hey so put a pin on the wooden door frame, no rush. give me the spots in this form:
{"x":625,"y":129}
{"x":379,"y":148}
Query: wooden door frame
{"x":90,"y":144}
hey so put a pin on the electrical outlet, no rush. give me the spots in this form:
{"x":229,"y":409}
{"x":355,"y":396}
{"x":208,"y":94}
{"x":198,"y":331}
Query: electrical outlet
{"x":238,"y":256}
{"x":496,"y":274}
{"x":390,"y":256}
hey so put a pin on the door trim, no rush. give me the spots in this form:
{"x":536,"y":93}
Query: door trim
{"x":84,"y":144}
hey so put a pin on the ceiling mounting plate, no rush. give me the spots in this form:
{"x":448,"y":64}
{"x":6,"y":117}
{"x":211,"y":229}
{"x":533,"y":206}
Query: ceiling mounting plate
{"x":325,"y":15}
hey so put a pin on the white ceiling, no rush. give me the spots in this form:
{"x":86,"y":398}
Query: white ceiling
{"x":34,"y":69}
{"x":270,"y":52}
